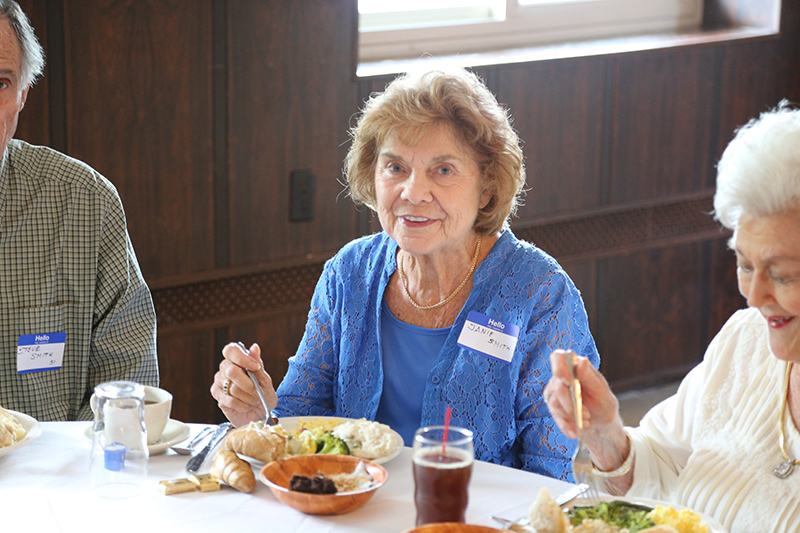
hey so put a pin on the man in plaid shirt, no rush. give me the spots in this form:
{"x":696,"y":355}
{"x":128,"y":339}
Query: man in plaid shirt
{"x":74,"y":308}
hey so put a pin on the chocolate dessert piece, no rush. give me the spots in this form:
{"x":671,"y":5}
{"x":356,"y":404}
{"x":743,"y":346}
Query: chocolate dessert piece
{"x":318,"y":484}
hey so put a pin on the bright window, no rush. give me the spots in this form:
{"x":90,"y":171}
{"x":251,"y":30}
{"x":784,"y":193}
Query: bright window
{"x":402,"y":29}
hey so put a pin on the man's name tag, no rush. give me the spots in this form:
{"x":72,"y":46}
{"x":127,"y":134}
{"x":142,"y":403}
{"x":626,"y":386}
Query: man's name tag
{"x":488,"y":336}
{"x":40,"y":352}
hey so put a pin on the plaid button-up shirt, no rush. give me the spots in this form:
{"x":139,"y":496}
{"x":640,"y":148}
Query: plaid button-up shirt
{"x":67,"y":265}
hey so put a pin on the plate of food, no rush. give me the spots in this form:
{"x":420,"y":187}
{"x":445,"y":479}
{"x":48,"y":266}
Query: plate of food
{"x":633,"y":514}
{"x":259,"y":443}
{"x":16,"y":430}
{"x":362,"y":438}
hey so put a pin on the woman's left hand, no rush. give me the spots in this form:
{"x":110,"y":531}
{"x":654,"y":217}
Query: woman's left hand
{"x":603,"y":431}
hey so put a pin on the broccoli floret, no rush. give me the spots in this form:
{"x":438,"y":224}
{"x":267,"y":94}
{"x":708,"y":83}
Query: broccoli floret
{"x":328,"y":444}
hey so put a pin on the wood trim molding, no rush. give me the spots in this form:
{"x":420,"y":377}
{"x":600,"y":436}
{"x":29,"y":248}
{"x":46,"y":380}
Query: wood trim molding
{"x":622,"y":231}
{"x":237,"y":297}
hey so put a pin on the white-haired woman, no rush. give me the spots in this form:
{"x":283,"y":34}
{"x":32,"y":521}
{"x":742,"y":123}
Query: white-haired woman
{"x":727,"y":443}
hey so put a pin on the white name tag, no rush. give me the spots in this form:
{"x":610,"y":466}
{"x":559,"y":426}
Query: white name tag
{"x":40,"y":352}
{"x":488,"y":336}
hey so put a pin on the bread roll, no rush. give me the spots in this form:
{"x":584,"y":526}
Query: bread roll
{"x":260,"y":442}
{"x":236,"y":472}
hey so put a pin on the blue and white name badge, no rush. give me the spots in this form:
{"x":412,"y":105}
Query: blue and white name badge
{"x":488,"y":336}
{"x":40,"y":352}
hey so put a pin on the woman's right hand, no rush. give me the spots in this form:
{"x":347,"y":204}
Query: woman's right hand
{"x":603,"y":431}
{"x":239,"y":400}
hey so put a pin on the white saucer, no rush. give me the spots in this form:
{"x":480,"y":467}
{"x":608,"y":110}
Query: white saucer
{"x":174,"y":432}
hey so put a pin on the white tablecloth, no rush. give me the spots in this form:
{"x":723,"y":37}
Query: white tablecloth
{"x":45,"y":487}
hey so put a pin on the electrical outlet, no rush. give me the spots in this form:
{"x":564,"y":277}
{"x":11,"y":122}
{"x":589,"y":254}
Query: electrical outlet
{"x":301,"y":195}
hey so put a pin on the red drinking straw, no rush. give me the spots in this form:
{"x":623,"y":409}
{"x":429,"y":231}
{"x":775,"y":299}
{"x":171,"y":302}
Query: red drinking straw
{"x":446,"y":427}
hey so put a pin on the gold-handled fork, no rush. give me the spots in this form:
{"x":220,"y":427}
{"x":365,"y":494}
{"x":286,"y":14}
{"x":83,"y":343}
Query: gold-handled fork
{"x":581,"y":461}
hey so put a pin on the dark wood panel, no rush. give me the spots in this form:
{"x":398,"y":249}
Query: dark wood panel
{"x":755,"y":78}
{"x":292,"y":91}
{"x":278,"y":338}
{"x":34,"y":121}
{"x":558,"y":108}
{"x":187,"y":364}
{"x":650,"y":315}
{"x":139,"y":111}
{"x":584,"y":275}
{"x":664,"y":112}
{"x":724,"y":297}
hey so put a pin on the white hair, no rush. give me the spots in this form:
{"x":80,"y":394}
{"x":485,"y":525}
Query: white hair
{"x":759,"y":172}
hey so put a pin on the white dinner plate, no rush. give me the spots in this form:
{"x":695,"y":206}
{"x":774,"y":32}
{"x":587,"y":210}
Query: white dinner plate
{"x":32,"y":432}
{"x":174,"y":432}
{"x":713,"y":525}
{"x":290,"y":423}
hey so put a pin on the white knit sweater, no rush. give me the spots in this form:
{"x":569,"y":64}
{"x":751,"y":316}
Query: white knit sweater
{"x":712,"y":447}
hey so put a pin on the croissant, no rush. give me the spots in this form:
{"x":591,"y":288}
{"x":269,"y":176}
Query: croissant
{"x":236,"y":472}
{"x":262,"y":443}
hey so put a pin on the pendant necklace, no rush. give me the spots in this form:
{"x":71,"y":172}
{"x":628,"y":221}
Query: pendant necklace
{"x":786,"y":467}
{"x":404,"y":281}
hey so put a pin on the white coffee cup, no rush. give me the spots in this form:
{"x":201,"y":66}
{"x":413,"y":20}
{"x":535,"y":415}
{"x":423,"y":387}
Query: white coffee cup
{"x":157,"y":408}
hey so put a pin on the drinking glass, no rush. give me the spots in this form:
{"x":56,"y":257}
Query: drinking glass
{"x":442,"y":471}
{"x":119,"y":456}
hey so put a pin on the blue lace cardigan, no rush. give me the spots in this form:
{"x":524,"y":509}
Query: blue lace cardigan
{"x":337,"y":369}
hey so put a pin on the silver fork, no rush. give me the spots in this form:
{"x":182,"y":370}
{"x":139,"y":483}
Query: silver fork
{"x":581,"y":461}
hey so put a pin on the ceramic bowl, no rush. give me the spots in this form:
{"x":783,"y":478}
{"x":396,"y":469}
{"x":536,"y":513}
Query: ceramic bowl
{"x":453,"y":527}
{"x":276,"y":476}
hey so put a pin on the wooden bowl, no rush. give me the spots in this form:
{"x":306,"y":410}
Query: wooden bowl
{"x":453,"y":527}
{"x":276,"y":476}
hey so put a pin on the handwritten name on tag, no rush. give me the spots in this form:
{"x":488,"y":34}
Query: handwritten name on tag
{"x":489,"y":336}
{"x":40,"y":352}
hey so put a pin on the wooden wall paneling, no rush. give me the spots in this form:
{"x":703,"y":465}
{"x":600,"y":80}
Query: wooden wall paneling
{"x":278,"y":338}
{"x":292,"y":91}
{"x":723,"y":289}
{"x":756,"y":78}
{"x":650,"y":315}
{"x":584,"y":275}
{"x":665,"y":106}
{"x":139,"y":111}
{"x":558,"y":109}
{"x":187,"y":363}
{"x":34,"y":121}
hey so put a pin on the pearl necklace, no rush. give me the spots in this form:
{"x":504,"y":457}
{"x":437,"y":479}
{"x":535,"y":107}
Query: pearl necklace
{"x":434,"y":306}
{"x":786,"y":467}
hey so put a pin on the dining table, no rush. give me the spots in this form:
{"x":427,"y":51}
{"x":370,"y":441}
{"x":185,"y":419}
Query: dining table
{"x":45,"y":487}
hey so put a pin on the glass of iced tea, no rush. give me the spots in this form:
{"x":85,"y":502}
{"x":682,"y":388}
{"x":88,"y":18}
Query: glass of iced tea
{"x":441,"y":473}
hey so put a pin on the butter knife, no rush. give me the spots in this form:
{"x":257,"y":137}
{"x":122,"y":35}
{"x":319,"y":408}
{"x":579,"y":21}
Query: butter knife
{"x":197,"y":461}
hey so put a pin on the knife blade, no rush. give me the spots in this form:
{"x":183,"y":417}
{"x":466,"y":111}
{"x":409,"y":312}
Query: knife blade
{"x":197,"y":461}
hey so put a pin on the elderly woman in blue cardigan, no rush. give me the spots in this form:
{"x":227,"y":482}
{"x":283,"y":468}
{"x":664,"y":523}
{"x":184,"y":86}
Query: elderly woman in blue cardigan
{"x":443,"y":308}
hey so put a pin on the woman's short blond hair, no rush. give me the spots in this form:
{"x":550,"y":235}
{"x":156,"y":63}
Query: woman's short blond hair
{"x":419,"y":102}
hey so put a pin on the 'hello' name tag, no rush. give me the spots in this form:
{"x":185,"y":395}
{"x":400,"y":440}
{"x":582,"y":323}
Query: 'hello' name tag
{"x":40,"y":352}
{"x":488,"y":336}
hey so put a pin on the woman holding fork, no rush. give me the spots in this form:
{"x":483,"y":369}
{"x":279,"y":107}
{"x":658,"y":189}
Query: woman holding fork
{"x":444,"y":307}
{"x":727,"y":443}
